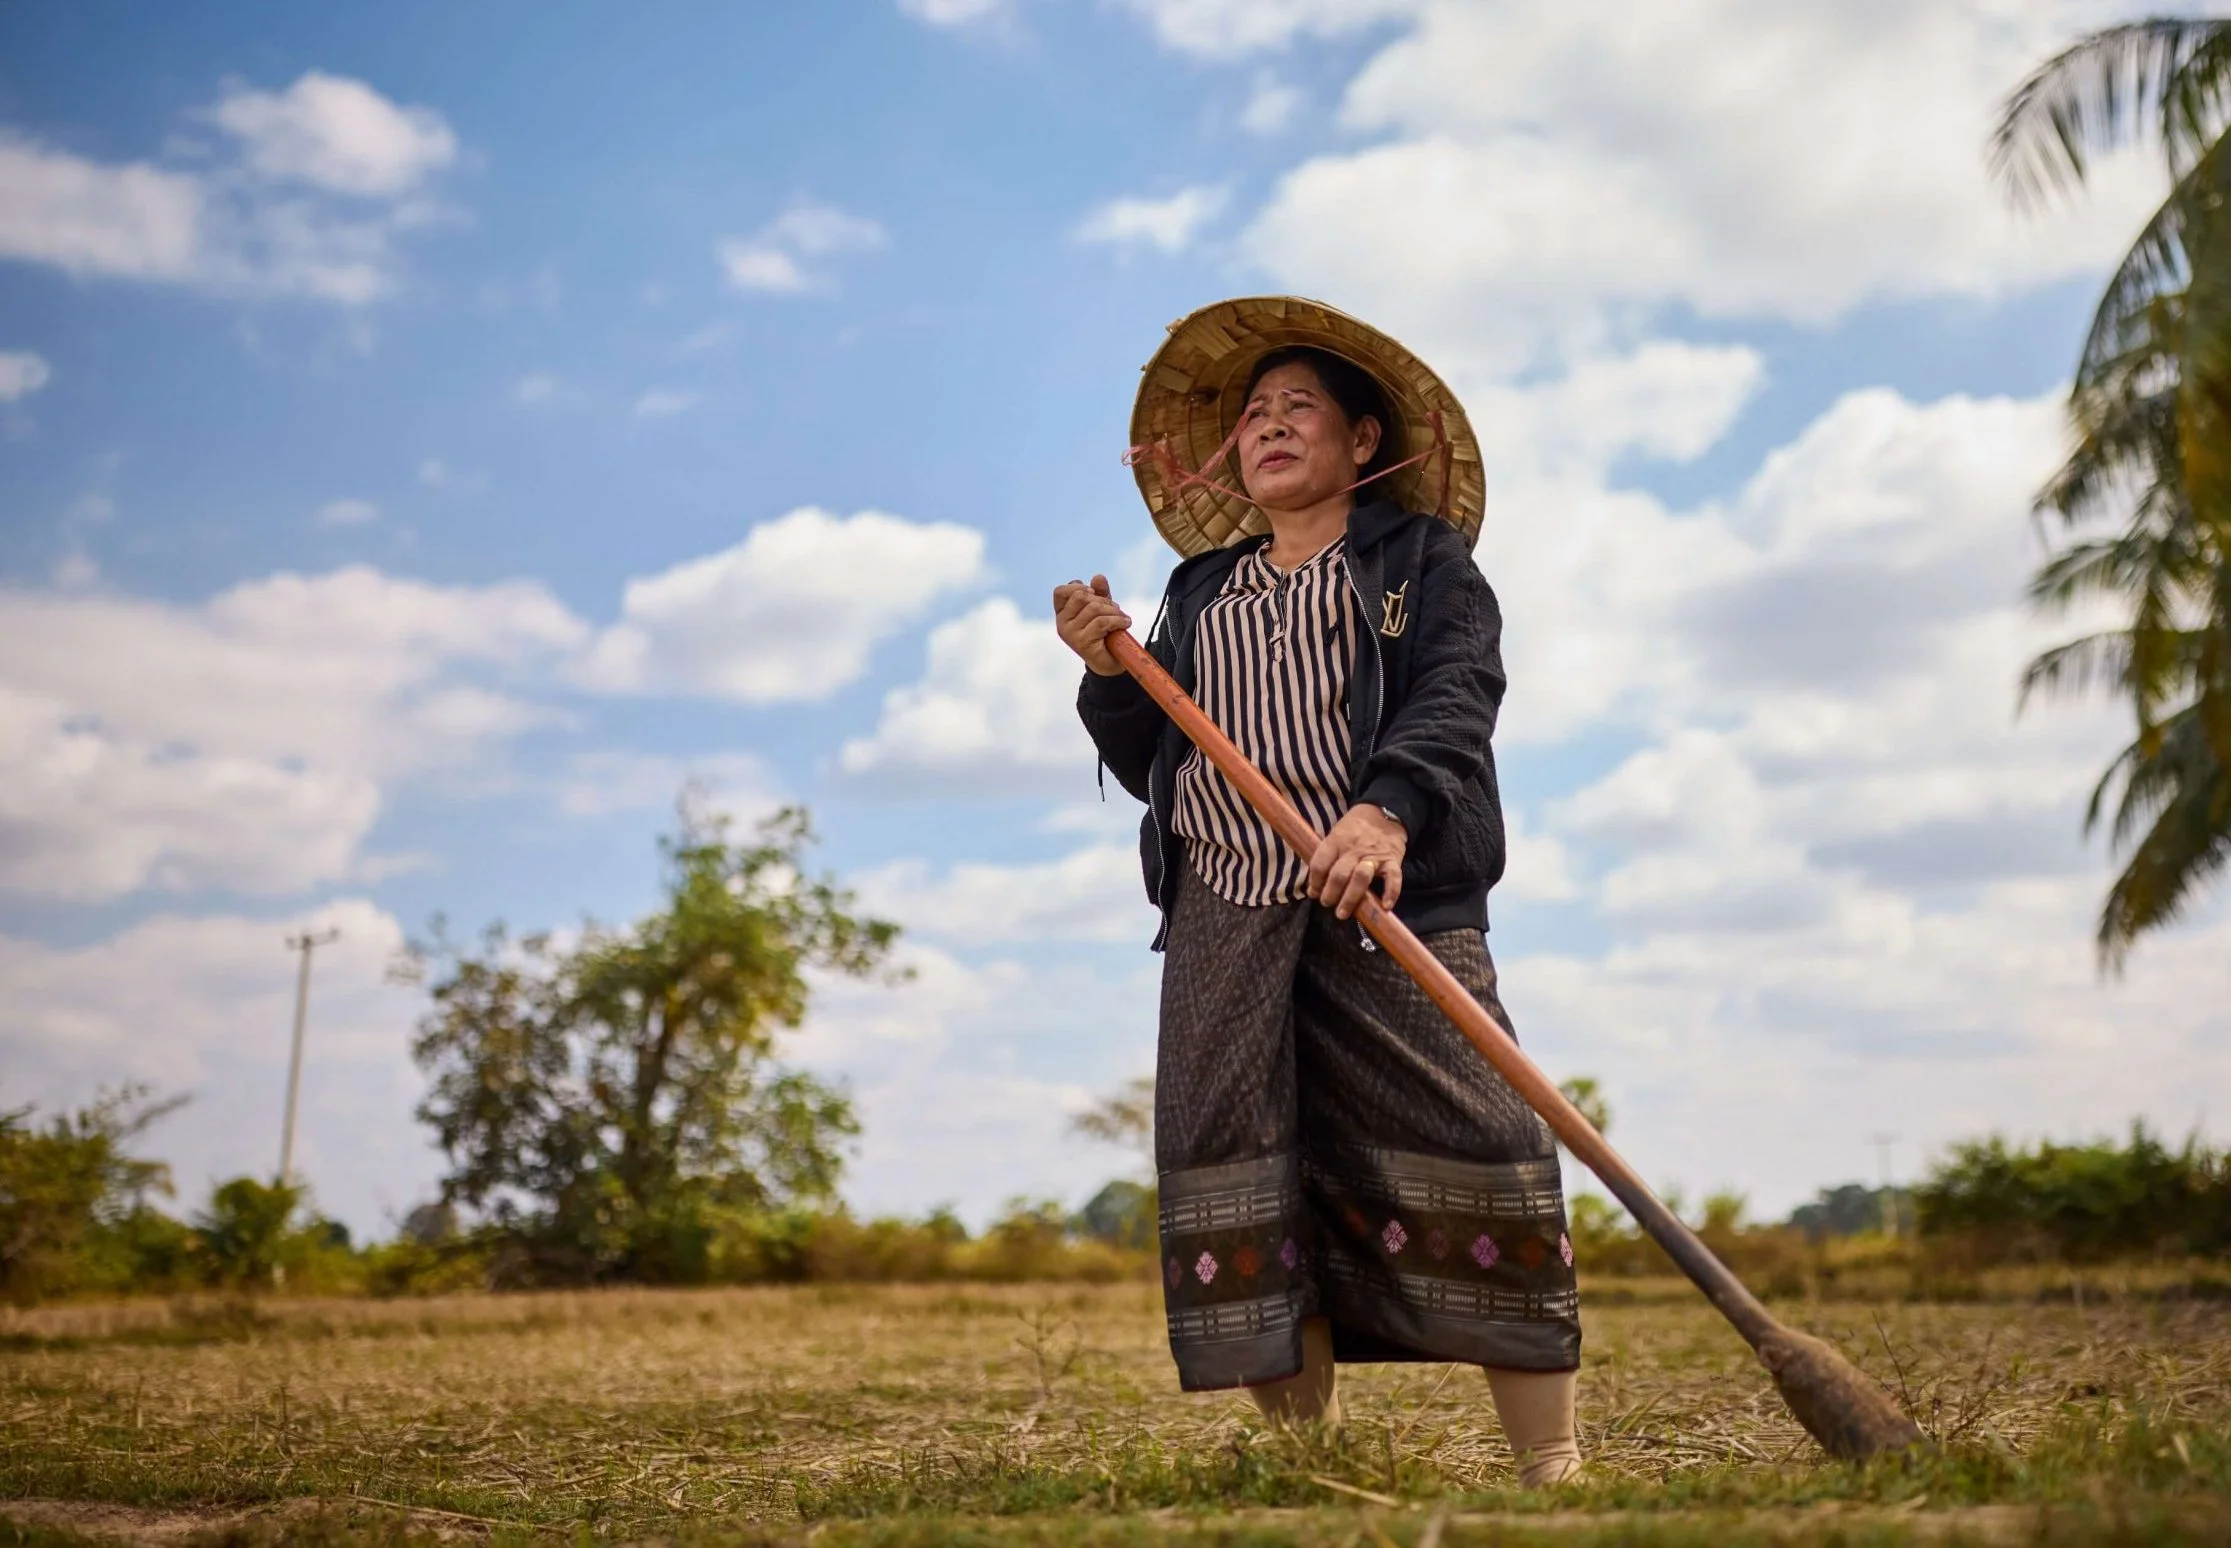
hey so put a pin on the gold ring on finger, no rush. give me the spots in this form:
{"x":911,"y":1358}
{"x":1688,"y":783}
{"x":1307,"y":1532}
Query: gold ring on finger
{"x":1369,"y":867}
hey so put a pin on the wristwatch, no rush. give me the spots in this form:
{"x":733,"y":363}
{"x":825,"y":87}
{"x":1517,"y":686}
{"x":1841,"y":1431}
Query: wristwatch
{"x":1395,"y":817}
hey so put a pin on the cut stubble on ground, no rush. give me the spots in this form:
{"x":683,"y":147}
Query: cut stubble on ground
{"x":1034,"y":1413}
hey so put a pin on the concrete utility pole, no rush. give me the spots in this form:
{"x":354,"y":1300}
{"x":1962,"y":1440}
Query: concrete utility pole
{"x":306,"y":943}
{"x":1883,"y":1142}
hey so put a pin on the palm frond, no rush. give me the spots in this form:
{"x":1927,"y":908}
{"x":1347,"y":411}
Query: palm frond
{"x":2075,"y":666}
{"x":2149,"y":298}
{"x":2110,"y":567}
{"x":2157,"y":667}
{"x":2137,"y":312}
{"x":2194,"y":108}
{"x":2186,"y":792}
{"x":2117,"y":771}
{"x":2150,"y":411}
{"x":2152,"y":780}
{"x":2160,"y":672}
{"x":2169,"y":76}
{"x":2126,"y":457}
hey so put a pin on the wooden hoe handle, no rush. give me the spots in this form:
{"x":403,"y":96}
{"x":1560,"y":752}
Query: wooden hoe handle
{"x":1581,"y":1137}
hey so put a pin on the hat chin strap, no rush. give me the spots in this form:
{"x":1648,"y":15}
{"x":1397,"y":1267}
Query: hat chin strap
{"x":1176,"y":477}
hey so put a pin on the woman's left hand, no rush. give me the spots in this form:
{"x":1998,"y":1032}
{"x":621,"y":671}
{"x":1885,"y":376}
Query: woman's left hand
{"x":1365,"y":846}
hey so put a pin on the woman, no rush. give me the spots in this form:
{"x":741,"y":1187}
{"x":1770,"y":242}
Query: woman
{"x":1343,"y":1178}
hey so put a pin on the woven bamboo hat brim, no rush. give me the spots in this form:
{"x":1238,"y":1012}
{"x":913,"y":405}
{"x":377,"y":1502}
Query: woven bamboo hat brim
{"x":1191,"y":396}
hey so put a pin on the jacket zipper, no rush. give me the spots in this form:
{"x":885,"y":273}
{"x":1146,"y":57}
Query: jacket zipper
{"x":1153,"y":811}
{"x":1378,"y":708}
{"x":1378,"y":670}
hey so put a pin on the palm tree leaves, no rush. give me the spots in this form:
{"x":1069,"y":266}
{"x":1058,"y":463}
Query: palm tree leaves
{"x":2142,"y":305}
{"x":2170,"y":76}
{"x":2078,"y":665}
{"x":2175,"y":785}
{"x":2150,"y":411}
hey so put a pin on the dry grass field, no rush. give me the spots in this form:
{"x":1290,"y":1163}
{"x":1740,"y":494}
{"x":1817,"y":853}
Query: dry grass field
{"x":1049,"y":1414}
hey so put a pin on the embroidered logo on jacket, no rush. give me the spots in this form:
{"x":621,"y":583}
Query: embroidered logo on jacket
{"x":1397,"y":614}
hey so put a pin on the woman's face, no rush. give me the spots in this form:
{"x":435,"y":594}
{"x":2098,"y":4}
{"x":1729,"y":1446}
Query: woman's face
{"x":1296,"y":448}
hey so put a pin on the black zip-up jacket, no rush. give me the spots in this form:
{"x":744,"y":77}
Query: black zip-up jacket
{"x":1422,"y":699}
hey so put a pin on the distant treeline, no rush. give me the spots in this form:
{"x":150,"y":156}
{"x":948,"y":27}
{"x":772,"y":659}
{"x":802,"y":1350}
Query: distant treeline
{"x":2084,"y":1203}
{"x":79,"y":1216}
{"x":1985,"y":1204}
{"x":610,"y":1110}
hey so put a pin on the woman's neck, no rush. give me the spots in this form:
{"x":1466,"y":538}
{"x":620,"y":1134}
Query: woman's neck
{"x":1298,"y":536}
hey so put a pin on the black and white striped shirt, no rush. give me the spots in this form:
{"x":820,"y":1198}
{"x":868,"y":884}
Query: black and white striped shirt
{"x":1271,"y":652}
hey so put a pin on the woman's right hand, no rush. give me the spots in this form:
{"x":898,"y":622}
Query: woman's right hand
{"x":1085,"y":616}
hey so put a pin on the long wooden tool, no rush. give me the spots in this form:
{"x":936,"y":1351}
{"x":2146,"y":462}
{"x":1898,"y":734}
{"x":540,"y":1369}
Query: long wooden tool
{"x":1850,"y":1415}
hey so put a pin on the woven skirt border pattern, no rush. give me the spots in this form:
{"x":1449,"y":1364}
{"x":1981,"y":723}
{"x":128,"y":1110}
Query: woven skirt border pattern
{"x":1236,"y":1271}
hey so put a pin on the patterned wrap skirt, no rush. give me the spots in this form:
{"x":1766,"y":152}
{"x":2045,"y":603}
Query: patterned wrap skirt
{"x":1330,"y":1145}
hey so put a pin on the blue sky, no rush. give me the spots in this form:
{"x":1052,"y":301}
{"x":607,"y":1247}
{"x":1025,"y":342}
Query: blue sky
{"x":429,"y":435}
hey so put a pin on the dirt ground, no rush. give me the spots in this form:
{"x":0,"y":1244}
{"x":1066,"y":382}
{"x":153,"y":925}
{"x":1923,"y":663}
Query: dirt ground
{"x":1026,"y":1413}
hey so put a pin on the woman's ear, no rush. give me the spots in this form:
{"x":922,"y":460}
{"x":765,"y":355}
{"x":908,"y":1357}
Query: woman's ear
{"x":1367,"y":436}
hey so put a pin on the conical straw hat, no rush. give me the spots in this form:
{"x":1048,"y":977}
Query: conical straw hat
{"x":1191,"y":396}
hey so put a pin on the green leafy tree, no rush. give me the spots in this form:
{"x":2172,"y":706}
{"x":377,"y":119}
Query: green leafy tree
{"x":1587,"y":1093}
{"x":72,"y":1197}
{"x":247,"y":1230}
{"x":1125,"y":1116}
{"x":1121,"y":1214}
{"x":1725,"y":1213}
{"x":607,"y":1104}
{"x":1124,"y":1212}
{"x":1853,"y":1209}
{"x":2144,"y":497}
{"x":2082,"y":1202}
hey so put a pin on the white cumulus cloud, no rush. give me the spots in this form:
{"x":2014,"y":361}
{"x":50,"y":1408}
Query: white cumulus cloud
{"x":311,"y":193}
{"x":1167,"y":225}
{"x":337,"y":134}
{"x":22,"y":373}
{"x":243,"y":743}
{"x":1834,"y":859}
{"x":202,"y":1007}
{"x":1562,"y":172}
{"x":775,"y":260}
{"x":1664,"y":399}
{"x":1090,"y":894}
{"x":952,"y":1113}
{"x":88,"y":813}
{"x":124,"y":221}
{"x":1216,"y":29}
{"x":995,"y":709}
{"x":599,"y":783}
{"x":790,"y":613}
{"x":1271,"y":105}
